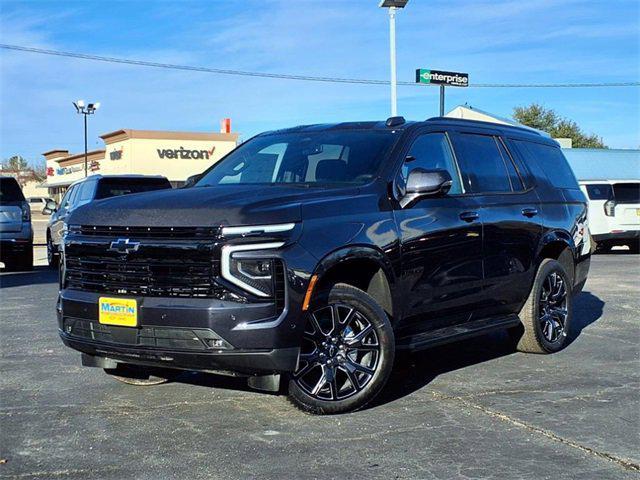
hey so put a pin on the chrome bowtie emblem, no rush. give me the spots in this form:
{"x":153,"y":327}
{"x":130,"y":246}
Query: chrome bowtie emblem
{"x":124,"y":245}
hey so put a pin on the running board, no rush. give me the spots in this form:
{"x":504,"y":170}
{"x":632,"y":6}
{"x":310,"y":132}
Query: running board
{"x":456,"y":332}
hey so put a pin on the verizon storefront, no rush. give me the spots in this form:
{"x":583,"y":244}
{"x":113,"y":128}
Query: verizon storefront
{"x":176,"y":155}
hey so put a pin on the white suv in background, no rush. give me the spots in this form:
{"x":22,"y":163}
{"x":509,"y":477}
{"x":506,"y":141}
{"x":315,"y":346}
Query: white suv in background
{"x":614,"y":213}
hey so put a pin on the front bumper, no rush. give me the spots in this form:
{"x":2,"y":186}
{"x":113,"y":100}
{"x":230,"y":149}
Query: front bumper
{"x":186,"y":333}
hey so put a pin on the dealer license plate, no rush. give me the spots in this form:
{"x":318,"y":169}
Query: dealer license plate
{"x":118,"y":311}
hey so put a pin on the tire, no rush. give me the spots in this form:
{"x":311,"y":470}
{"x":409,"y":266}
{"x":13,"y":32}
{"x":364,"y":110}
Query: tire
{"x":52,"y":254}
{"x":347,"y":353}
{"x":547,"y":322}
{"x":634,"y":247}
{"x":140,"y":376}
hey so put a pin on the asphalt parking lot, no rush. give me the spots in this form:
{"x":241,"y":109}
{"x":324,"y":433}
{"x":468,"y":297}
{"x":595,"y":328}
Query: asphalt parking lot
{"x":470,"y":410}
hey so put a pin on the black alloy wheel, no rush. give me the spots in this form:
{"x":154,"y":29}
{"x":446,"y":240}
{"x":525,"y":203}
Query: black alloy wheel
{"x":552,"y":307}
{"x":546,"y":315}
{"x":346,"y":354}
{"x":339,"y":355}
{"x":52,"y":258}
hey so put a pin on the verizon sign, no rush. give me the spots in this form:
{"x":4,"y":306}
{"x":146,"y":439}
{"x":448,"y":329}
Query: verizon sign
{"x":185,"y":153}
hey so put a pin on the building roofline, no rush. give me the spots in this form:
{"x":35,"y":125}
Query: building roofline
{"x":127,"y":133}
{"x":71,"y":159}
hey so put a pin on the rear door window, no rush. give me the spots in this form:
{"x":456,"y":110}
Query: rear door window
{"x":114,"y":187}
{"x":551,"y":161}
{"x":481,"y":164}
{"x":10,"y":190}
{"x":626,"y":192}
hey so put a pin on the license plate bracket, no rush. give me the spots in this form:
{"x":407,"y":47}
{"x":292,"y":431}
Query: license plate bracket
{"x":122,"y":312}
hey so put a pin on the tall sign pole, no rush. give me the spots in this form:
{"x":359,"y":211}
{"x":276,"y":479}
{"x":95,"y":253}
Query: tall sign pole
{"x":437,"y":77}
{"x":392,"y":58}
{"x":393,"y":6}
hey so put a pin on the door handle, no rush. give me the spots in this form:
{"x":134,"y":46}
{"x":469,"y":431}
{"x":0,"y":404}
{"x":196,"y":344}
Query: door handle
{"x":469,"y":216}
{"x":529,"y":212}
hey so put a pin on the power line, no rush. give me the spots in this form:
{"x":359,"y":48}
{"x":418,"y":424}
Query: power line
{"x":285,"y":76}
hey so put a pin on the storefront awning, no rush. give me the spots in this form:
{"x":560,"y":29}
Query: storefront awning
{"x":64,"y":183}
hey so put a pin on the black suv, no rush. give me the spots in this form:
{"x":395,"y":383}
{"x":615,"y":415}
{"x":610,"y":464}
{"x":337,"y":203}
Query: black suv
{"x":314,"y":254}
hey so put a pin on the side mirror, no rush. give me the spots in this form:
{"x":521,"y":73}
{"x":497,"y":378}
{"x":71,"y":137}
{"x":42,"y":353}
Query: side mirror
{"x":423,"y":183}
{"x":192,"y":180}
{"x":49,"y":208}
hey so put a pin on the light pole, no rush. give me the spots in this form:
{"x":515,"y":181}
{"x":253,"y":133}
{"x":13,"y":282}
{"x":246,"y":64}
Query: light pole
{"x":392,"y":5}
{"x":85,"y":111}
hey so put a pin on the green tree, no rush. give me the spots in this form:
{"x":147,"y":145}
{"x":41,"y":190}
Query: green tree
{"x":545,"y":119}
{"x":15,"y":163}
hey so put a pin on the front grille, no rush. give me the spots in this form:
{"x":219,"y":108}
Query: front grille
{"x":167,"y":277}
{"x":197,"y":233}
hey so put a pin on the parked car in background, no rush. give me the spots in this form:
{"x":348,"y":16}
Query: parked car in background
{"x":16,"y":234}
{"x":313,"y":254}
{"x":87,"y":190}
{"x":614,"y":213}
{"x":38,"y":204}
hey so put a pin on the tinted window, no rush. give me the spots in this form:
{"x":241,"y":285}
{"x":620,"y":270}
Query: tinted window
{"x":431,"y":151}
{"x":114,"y":187}
{"x":323,"y":157}
{"x":10,"y":190}
{"x":601,"y":191}
{"x":516,"y":182}
{"x":481,"y":164}
{"x":626,"y":192}
{"x":85,"y":193}
{"x":69,"y":198}
{"x":552,"y":162}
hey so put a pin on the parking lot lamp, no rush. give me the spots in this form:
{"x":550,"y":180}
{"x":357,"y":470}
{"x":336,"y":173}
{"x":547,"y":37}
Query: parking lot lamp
{"x":86,"y":110}
{"x":392,"y":5}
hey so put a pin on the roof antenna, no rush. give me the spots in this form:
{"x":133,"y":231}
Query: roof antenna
{"x":395,"y":121}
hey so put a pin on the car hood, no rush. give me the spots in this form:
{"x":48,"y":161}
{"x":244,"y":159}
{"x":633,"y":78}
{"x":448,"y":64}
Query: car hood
{"x":202,"y":206}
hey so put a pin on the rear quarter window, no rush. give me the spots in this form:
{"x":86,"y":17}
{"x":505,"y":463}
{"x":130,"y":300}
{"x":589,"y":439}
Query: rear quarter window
{"x":552,"y":162}
{"x":599,"y":191}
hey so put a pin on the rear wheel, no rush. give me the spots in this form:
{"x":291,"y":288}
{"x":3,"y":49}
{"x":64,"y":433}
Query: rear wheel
{"x":140,"y":376}
{"x":347,"y":353}
{"x":547,"y":313}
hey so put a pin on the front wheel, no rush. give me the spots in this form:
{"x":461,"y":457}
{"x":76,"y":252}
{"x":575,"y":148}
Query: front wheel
{"x":346,"y":355}
{"x":52,"y":255}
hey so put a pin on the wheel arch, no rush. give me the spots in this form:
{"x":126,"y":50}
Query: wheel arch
{"x":363,"y":267}
{"x":558,"y":245}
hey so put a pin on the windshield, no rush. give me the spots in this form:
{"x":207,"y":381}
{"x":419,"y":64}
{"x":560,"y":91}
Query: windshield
{"x":10,"y":190}
{"x":328,"y":157}
{"x":114,"y":187}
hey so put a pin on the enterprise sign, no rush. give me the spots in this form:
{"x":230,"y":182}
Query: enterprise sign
{"x":437,"y":77}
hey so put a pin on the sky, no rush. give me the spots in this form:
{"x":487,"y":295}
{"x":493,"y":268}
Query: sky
{"x":510,"y":41}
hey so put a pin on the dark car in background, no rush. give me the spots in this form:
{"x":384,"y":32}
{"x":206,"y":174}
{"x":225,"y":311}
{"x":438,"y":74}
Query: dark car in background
{"x":87,"y":190}
{"x":314,"y":254}
{"x":16,"y":234}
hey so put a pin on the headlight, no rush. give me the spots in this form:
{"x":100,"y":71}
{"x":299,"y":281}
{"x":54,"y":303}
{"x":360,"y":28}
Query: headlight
{"x":253,"y":274}
{"x":26,"y":212}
